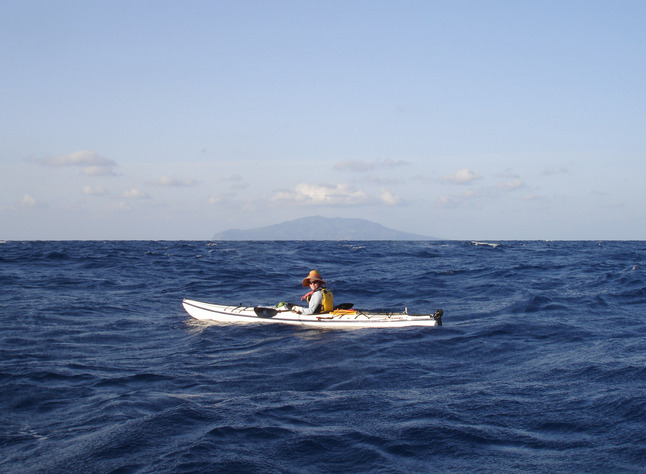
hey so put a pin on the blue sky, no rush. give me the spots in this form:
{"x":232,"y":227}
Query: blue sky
{"x":482,"y":119}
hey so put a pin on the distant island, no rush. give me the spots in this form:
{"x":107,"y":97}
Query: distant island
{"x":320,"y":228}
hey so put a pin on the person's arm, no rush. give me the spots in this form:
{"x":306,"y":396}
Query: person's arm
{"x":315,"y":301}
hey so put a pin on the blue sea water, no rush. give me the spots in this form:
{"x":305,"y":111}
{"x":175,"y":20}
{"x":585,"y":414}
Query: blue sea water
{"x":539,"y":367}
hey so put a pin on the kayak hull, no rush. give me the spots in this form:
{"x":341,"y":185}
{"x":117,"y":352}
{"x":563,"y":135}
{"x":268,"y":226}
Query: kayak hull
{"x":343,"y":319}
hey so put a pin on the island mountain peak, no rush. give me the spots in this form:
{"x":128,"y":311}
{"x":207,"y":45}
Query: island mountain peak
{"x":320,"y":228}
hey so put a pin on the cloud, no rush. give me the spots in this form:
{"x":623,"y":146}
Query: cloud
{"x":134,"y":193}
{"x":236,"y":182}
{"x":28,"y":201}
{"x":98,"y":171}
{"x":553,"y":171}
{"x":511,"y":185}
{"x":94,"y":191}
{"x":168,"y":181}
{"x":533,"y":197}
{"x":339,"y":195}
{"x":446,"y":202}
{"x":359,"y":166}
{"x":78,"y":158}
{"x":380,"y":181}
{"x":463,"y":176}
{"x":389,"y":198}
{"x":118,"y":206}
{"x":92,"y":163}
{"x":508,"y":173}
{"x":213,"y":200}
{"x":312,"y":194}
{"x":469,"y":198}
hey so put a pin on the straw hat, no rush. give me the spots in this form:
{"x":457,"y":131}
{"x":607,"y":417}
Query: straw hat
{"x":313,"y":276}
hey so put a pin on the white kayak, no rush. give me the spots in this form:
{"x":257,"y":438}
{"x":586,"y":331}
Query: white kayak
{"x":340,"y":318}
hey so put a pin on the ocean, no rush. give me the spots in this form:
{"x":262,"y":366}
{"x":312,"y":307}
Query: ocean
{"x":539,"y":366}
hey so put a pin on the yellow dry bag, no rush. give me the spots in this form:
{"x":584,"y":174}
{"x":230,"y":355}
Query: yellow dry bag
{"x":327,"y":304}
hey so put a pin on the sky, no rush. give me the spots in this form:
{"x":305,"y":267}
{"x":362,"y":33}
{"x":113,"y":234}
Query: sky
{"x":157,"y":119}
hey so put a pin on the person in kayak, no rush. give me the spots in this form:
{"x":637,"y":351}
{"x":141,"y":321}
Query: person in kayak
{"x":320,"y":299}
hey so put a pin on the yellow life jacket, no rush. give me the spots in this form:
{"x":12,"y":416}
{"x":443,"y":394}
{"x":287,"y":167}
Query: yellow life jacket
{"x":327,"y":303}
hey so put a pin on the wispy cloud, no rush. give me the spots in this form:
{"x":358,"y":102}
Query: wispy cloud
{"x":236,"y":182}
{"x":553,"y":171}
{"x":339,"y":195}
{"x":28,"y":201}
{"x":510,"y":181}
{"x":342,"y":195}
{"x":92,"y":163}
{"x":213,"y":200}
{"x":98,"y":171}
{"x":507,"y":174}
{"x":78,"y":158}
{"x":511,"y":185}
{"x":119,"y":206}
{"x":134,"y":193}
{"x":359,"y":166}
{"x":174,"y":182}
{"x":533,"y":197}
{"x":463,"y":176}
{"x":446,"y":202}
{"x":468,"y":198}
{"x":94,"y":191}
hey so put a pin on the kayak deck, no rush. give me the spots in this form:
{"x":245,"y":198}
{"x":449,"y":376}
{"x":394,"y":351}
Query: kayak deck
{"x":336,"y":319}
